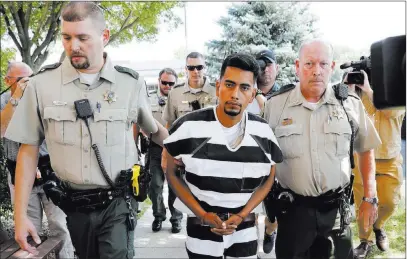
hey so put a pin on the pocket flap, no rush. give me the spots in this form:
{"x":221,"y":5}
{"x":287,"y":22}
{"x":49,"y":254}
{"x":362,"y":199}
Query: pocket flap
{"x":337,"y":127}
{"x":184,"y":108}
{"x":284,"y":131}
{"x":59,"y":113}
{"x":155,"y":108}
{"x":110,"y":115}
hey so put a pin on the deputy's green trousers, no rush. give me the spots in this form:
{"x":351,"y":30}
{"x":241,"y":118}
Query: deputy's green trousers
{"x":103,"y":233}
{"x":389,"y":178}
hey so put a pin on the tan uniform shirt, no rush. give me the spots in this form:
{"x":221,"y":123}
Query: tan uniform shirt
{"x":316,"y":143}
{"x":179,"y":98}
{"x":388,"y":125}
{"x":47,"y":111}
{"x":156,"y":108}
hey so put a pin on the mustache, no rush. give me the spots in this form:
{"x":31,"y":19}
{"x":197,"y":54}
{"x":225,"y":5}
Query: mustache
{"x":316,"y":80}
{"x":233,"y":103}
{"x":77,"y":54}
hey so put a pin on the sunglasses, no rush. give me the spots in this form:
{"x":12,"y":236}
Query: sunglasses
{"x":192,"y":68}
{"x":167,"y":83}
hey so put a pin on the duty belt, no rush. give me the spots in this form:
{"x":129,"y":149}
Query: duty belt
{"x":330,"y":199}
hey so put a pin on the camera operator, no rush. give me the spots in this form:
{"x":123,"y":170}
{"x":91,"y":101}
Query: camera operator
{"x":38,"y":203}
{"x":389,"y":173}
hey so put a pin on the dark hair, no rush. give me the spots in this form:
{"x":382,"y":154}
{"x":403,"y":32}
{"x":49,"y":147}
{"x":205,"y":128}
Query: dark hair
{"x":195,"y":55}
{"x":79,"y":11}
{"x":243,"y":61}
{"x":169,"y":71}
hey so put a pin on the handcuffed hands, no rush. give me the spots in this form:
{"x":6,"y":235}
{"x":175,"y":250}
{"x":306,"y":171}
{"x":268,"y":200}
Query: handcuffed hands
{"x":221,"y":228}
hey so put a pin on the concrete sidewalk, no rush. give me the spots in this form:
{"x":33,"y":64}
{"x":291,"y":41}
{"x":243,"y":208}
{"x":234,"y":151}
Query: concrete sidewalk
{"x":164,"y":244}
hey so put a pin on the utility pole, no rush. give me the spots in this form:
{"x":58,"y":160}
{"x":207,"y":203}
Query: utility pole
{"x":185,"y":26}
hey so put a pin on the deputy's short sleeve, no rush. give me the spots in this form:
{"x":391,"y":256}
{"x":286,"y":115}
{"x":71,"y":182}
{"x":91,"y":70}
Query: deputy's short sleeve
{"x":26,"y":124}
{"x":169,"y":110}
{"x":366,"y":137}
{"x":141,"y":110}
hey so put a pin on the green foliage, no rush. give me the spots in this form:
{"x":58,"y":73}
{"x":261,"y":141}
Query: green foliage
{"x":33,"y":27}
{"x":396,"y":233}
{"x":252,"y":26}
{"x":6,"y":55}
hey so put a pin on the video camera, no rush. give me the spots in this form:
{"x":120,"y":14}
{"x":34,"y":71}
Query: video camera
{"x":386,"y":70}
{"x":357,"y":77}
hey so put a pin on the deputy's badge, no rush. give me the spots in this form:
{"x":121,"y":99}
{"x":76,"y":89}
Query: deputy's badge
{"x":110,"y":96}
{"x":207,"y":99}
{"x":287,"y":121}
{"x":338,"y":114}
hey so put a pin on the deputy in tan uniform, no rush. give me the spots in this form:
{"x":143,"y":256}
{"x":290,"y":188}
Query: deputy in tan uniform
{"x":194,"y":94}
{"x":389,"y":171}
{"x":197,"y":92}
{"x":167,"y":79}
{"x":118,"y":98}
{"x":314,"y":134}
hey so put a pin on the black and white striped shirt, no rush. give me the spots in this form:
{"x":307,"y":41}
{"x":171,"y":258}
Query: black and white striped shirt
{"x":222,"y":179}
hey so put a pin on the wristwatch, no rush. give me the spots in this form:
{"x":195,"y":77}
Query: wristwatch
{"x":14,"y":101}
{"x":373,"y":200}
{"x":258,"y":92}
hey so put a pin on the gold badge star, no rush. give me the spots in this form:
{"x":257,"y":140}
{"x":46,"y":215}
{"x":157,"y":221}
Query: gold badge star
{"x":110,"y":96}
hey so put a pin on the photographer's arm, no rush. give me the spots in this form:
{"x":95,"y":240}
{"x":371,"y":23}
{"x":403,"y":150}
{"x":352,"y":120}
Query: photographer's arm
{"x":8,"y":111}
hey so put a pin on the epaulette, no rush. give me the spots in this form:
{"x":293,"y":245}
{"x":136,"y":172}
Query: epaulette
{"x":127,"y":71}
{"x":178,"y":85}
{"x":284,"y":89}
{"x":47,"y":67}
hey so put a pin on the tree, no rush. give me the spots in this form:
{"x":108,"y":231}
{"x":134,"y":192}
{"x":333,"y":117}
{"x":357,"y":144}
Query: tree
{"x":34,"y":26}
{"x":251,"y":26}
{"x":6,"y":54}
{"x":344,"y":54}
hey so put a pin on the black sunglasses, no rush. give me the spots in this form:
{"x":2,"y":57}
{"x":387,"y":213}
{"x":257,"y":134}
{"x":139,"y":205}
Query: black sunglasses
{"x":167,"y":83}
{"x":192,"y":68}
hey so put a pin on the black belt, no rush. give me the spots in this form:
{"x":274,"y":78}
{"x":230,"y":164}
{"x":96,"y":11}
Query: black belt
{"x":91,"y":200}
{"x":223,"y":217}
{"x":329,"y":199}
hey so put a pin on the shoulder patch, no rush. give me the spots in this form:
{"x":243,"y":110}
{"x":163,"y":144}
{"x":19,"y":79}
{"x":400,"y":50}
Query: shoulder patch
{"x":127,"y":71}
{"x":284,"y":89}
{"x":47,"y":67}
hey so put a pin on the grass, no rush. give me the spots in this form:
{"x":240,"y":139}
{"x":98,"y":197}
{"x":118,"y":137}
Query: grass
{"x":143,"y":207}
{"x":396,"y":232}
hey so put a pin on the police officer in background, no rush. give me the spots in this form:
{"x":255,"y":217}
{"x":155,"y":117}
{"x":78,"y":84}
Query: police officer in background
{"x":166,"y":80}
{"x":389,"y":171}
{"x":90,"y":145}
{"x":194,"y":94}
{"x":312,"y":127}
{"x":266,"y":86}
{"x":266,"y":82}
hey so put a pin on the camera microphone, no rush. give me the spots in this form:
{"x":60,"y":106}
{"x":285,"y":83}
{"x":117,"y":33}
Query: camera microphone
{"x":345,"y":65}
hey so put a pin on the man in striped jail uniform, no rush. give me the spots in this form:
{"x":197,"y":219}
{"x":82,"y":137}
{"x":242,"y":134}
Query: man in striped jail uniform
{"x":229,"y":156}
